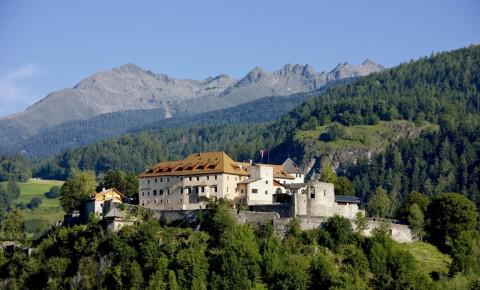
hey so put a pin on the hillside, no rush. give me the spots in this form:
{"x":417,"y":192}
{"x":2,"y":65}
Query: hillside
{"x":73,"y":134}
{"x":129,"y":88}
{"x":435,"y":99}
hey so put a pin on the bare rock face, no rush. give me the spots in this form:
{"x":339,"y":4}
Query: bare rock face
{"x":130,"y":87}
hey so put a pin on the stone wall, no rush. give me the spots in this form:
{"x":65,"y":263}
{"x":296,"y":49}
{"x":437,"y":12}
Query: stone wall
{"x":255,"y":219}
{"x":398,"y":232}
{"x":285,"y":210}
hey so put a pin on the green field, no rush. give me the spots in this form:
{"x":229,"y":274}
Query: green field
{"x":428,"y":257}
{"x":50,"y":209}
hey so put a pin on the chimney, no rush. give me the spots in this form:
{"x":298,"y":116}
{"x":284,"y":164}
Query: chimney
{"x":103,"y":189}
{"x":251,"y":161}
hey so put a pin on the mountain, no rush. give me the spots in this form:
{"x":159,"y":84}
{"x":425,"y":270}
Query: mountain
{"x":130,"y":87}
{"x":415,"y":127}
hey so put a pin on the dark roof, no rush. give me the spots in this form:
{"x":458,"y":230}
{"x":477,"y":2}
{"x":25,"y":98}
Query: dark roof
{"x":290,"y":167}
{"x":347,"y":199}
{"x":295,"y":185}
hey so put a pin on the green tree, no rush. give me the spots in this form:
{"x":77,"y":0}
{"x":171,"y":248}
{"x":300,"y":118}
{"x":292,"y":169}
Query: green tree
{"x":13,"y":189}
{"x":340,"y":229}
{"x":450,"y":214}
{"x":361,"y":222}
{"x":328,"y":174}
{"x":323,"y":273}
{"x":379,"y":203}
{"x":76,"y":190}
{"x":236,"y":263}
{"x":343,"y":186}
{"x":12,"y":225}
{"x":416,"y":220}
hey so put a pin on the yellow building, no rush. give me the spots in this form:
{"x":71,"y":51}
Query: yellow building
{"x":97,"y":201}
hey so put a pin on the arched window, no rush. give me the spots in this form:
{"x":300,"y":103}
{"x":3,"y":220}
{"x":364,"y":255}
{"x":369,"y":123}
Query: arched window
{"x":278,"y":191}
{"x":312,"y":192}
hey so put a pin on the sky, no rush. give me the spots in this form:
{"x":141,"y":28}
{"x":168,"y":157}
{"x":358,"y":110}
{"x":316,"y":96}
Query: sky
{"x":50,"y":45}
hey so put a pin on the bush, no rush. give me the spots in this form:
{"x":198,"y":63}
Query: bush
{"x":53,"y":193}
{"x":34,"y":203}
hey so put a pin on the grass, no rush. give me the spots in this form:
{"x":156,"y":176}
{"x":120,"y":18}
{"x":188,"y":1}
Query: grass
{"x":428,"y":257}
{"x":362,"y":136}
{"x":50,"y":209}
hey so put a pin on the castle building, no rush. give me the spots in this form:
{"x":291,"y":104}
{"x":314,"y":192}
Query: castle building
{"x":319,"y":199}
{"x":184,"y":184}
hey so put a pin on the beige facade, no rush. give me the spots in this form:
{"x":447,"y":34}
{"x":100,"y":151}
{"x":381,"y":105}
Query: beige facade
{"x":186,"y":184}
{"x":187,"y":192}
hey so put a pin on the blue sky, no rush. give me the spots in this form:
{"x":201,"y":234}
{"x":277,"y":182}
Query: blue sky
{"x":49,"y":45}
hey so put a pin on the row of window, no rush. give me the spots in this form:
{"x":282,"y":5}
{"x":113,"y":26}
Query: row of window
{"x":182,"y":190}
{"x":190,"y":178}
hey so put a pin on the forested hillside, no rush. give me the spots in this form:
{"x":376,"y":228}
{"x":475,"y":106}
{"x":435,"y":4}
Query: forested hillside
{"x":433,"y":94}
{"x":74,"y":134}
{"x":222,"y":254}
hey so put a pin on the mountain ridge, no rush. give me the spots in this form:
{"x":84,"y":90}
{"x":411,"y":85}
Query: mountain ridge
{"x":130,"y":87}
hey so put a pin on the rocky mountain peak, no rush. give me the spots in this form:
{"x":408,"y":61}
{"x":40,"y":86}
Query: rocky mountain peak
{"x":297,"y":69}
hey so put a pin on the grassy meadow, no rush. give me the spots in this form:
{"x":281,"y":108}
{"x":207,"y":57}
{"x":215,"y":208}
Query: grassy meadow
{"x":49,"y":210}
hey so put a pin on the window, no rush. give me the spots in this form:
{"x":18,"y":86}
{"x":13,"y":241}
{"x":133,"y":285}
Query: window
{"x":155,"y":201}
{"x":167,"y":200}
{"x":266,"y":181}
{"x":189,"y":190}
{"x":216,"y":177}
{"x":198,"y":178}
{"x":155,"y":192}
{"x":208,"y":177}
{"x":168,"y":191}
{"x":241,"y":190}
{"x":312,"y":192}
{"x":203,"y":189}
{"x":324,"y":193}
{"x":155,"y":180}
{"x":254,"y":190}
{"x":143,"y":203}
{"x":266,"y":192}
{"x":148,"y":193}
{"x":180,"y":200}
{"x":215,"y":189}
{"x":161,"y":191}
{"x":190,"y":178}
{"x":168,"y":179}
{"x":148,"y":181}
{"x":161,"y":201}
{"x":181,"y":190}
{"x":143,"y":193}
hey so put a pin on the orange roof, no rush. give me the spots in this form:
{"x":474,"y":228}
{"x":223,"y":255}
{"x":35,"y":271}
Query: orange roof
{"x":102,"y":195}
{"x":197,"y":163}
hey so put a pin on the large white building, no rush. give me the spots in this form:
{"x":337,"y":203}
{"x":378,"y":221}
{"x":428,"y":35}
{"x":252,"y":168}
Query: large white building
{"x":183,"y":184}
